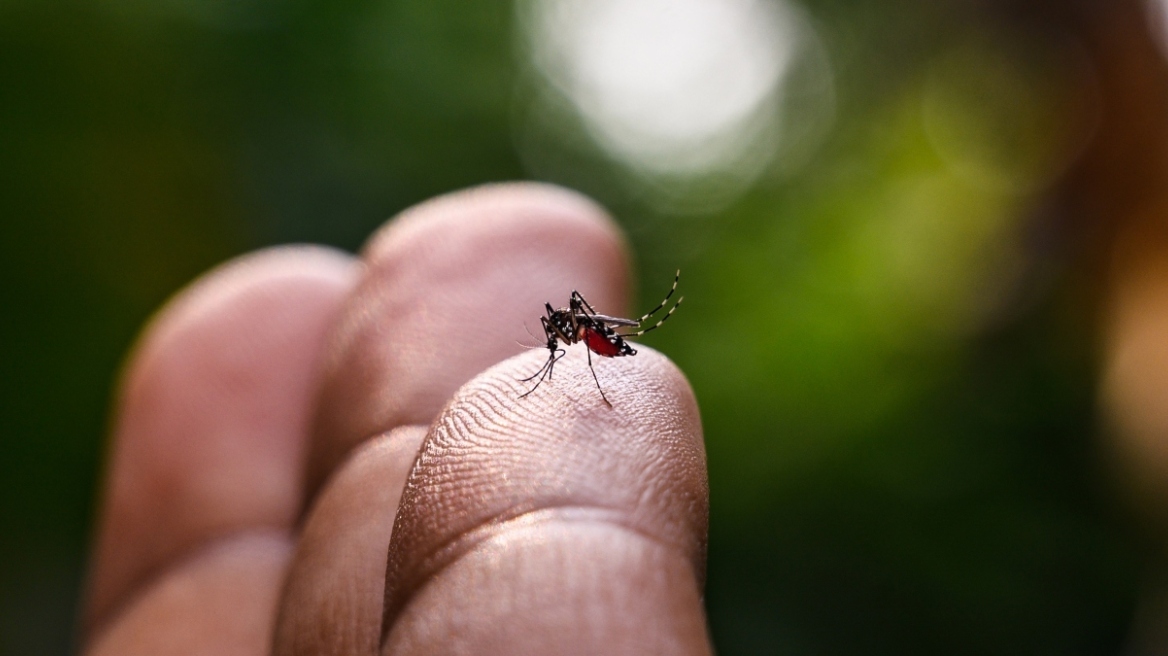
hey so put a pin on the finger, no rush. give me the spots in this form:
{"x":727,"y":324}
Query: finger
{"x":332,"y":601}
{"x":213,"y":414}
{"x":1134,"y":395}
{"x":221,"y":601}
{"x":447,"y":291}
{"x":555,"y":523}
{"x":1135,"y":385}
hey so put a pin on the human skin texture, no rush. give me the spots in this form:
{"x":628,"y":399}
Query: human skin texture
{"x":321,"y":454}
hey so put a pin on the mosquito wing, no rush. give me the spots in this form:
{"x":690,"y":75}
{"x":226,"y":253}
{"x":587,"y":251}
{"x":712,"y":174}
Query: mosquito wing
{"x":616,"y":321}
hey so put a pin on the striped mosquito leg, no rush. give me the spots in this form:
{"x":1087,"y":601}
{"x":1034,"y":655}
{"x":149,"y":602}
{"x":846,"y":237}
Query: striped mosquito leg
{"x":665,"y":300}
{"x":658,"y":324}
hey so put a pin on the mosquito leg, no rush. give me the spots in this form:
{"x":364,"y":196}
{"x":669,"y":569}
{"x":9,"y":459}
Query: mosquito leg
{"x":657,"y":309}
{"x":579,"y":298}
{"x":658,"y":324}
{"x":545,"y":366}
{"x":606,"y":401}
{"x":545,"y":370}
{"x":552,"y":365}
{"x":542,"y":370}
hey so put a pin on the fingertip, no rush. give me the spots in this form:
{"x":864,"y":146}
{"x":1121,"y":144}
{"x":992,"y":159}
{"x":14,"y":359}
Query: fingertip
{"x":494,"y":463}
{"x":283,"y":267}
{"x":528,"y":206}
{"x":212,"y":413}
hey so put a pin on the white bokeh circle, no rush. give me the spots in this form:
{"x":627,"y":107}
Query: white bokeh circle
{"x":667,"y":86}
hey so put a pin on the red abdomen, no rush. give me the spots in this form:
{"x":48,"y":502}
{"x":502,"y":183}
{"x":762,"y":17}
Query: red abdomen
{"x":599,"y":344}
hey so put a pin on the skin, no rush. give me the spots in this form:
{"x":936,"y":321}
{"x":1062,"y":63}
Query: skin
{"x":320,"y":454}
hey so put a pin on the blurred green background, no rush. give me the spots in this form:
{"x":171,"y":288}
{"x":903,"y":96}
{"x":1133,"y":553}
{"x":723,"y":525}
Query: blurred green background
{"x":889,"y":323}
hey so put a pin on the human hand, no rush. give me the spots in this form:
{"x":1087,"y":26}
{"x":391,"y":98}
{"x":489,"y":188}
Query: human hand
{"x":269,"y":420}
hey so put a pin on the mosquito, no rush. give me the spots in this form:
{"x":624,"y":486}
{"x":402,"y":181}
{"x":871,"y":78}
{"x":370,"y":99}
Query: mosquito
{"x":580,"y":322}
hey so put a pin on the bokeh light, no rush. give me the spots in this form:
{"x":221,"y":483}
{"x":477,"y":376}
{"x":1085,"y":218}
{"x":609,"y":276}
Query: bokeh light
{"x":1010,"y":115}
{"x":670,"y":86}
{"x":677,"y":92}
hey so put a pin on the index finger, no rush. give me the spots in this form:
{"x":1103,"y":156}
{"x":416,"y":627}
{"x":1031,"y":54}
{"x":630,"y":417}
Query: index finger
{"x":447,"y":288}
